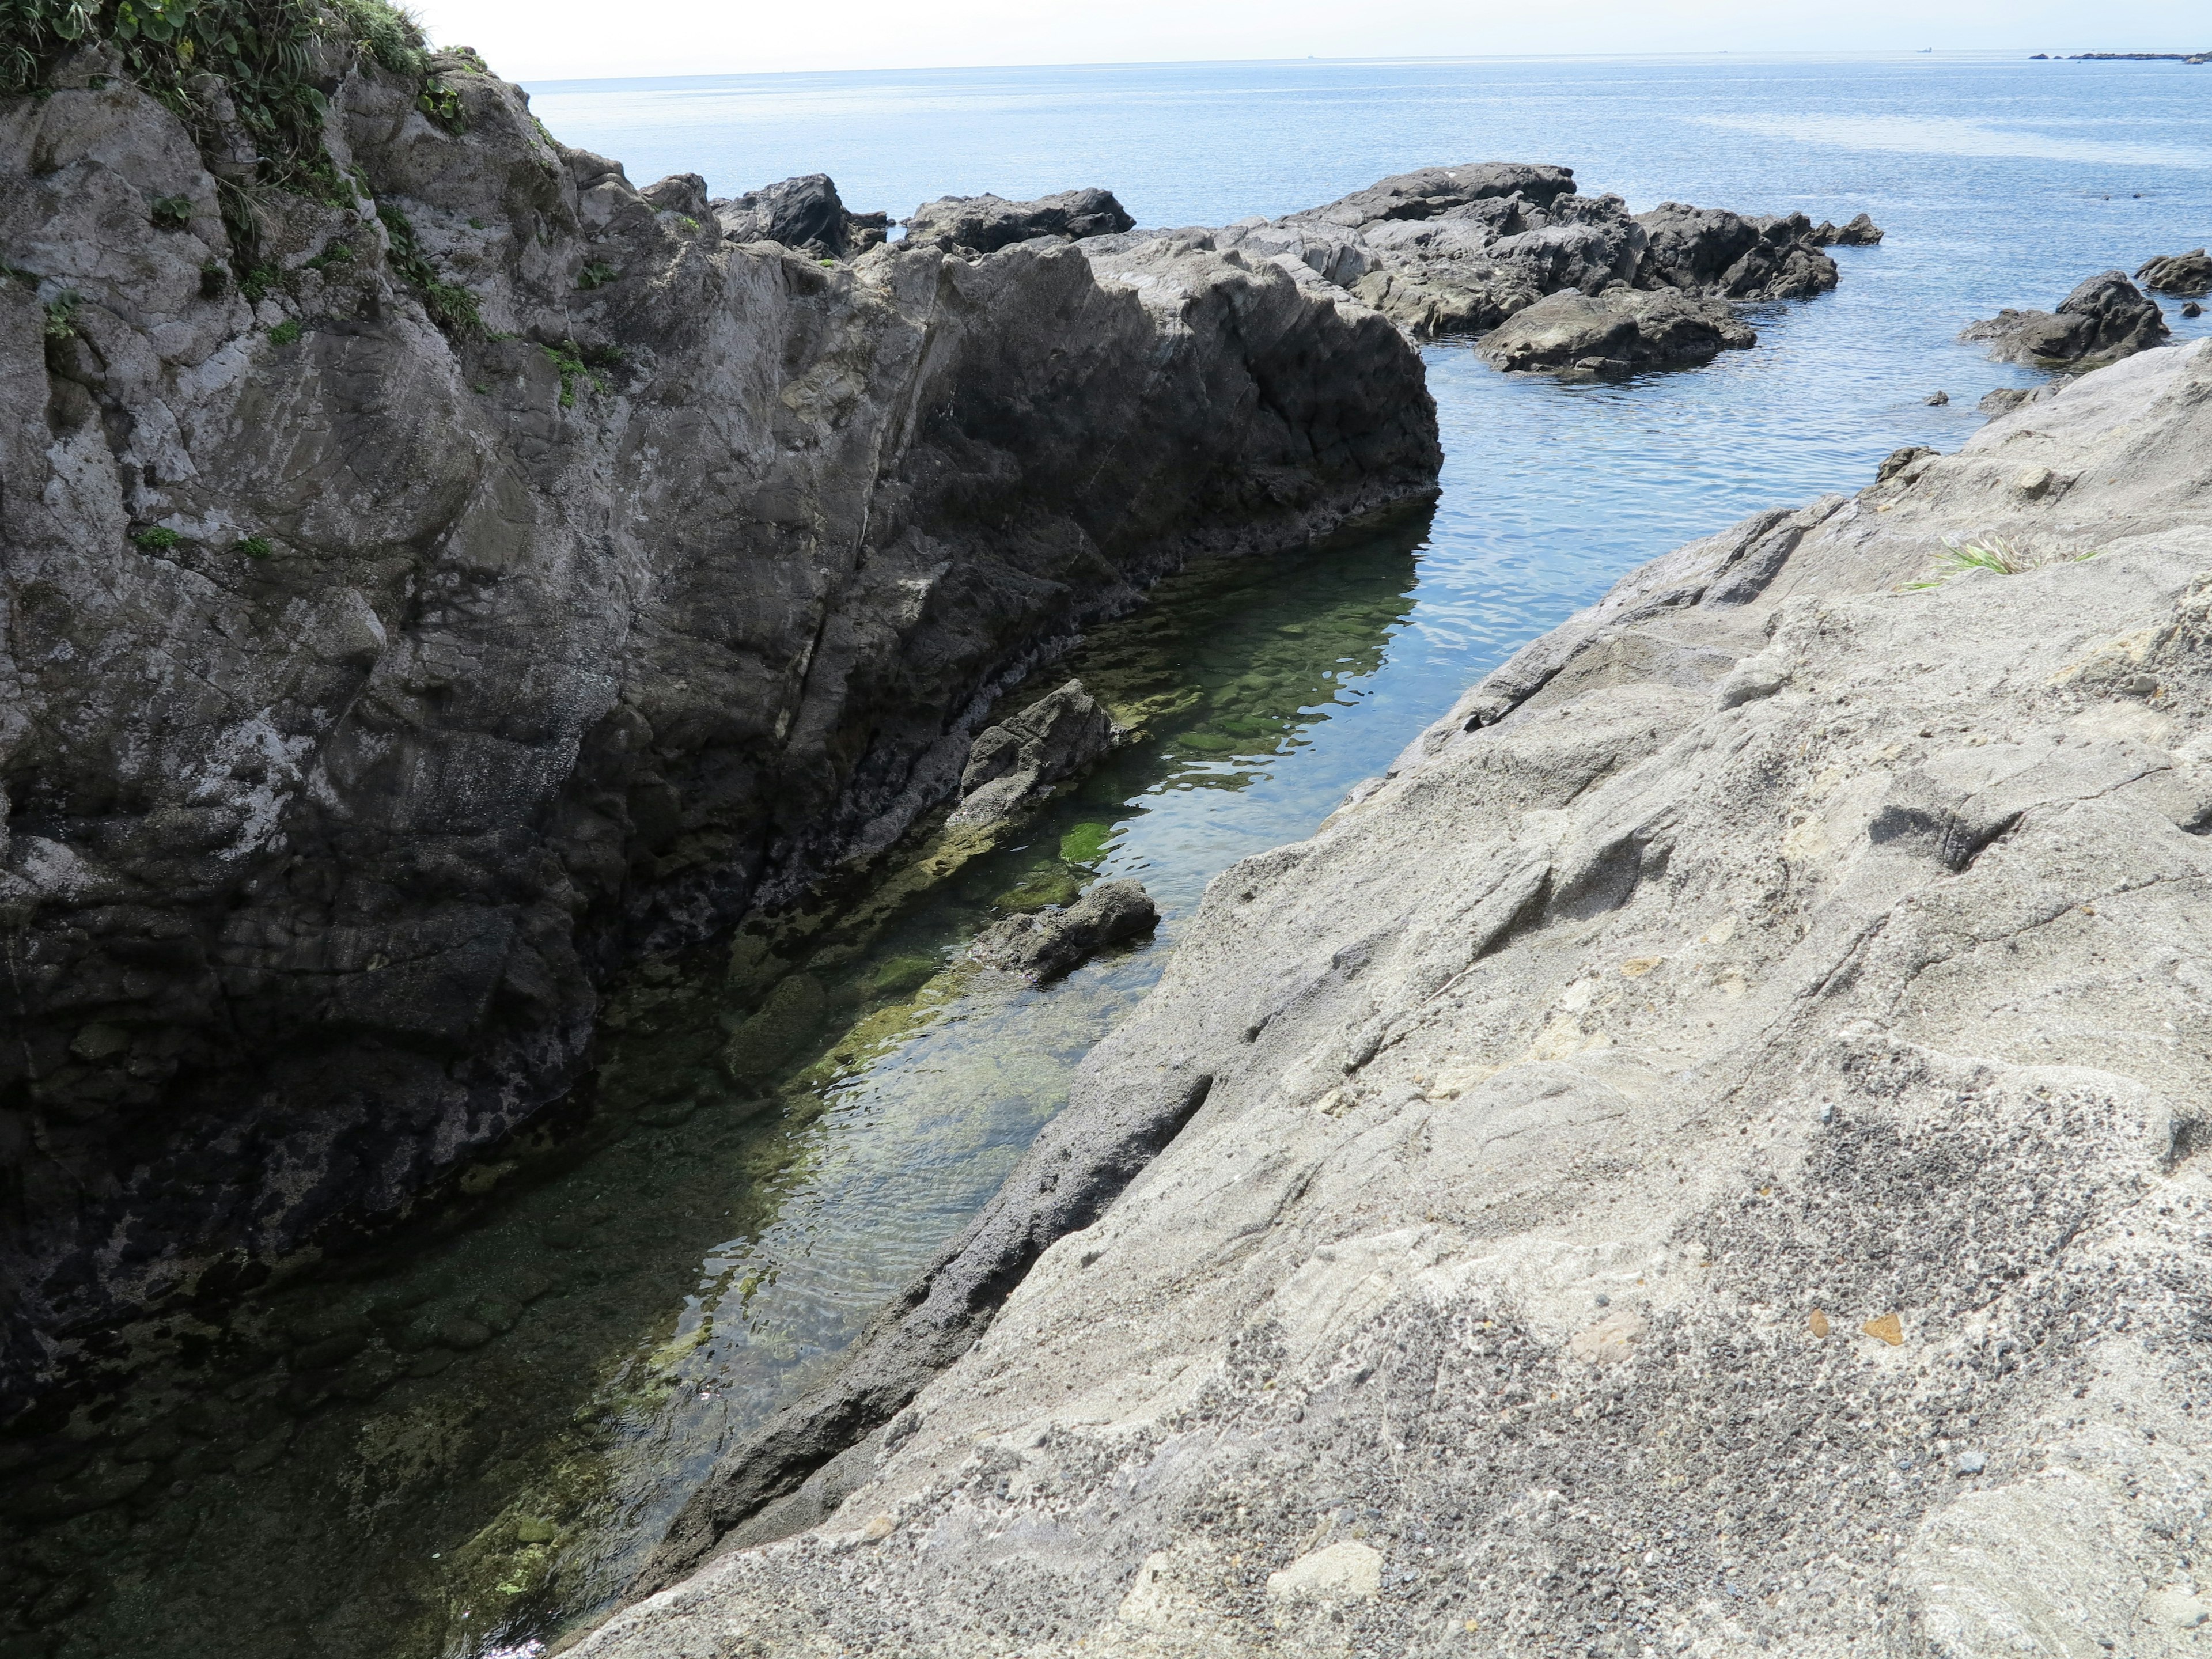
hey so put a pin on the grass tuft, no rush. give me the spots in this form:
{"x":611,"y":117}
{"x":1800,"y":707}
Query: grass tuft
{"x":2005,"y":557}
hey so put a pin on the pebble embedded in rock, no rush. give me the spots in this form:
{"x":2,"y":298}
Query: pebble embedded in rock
{"x":1970,"y":1462}
{"x":1887,"y":1329}
{"x":1819,"y":1324}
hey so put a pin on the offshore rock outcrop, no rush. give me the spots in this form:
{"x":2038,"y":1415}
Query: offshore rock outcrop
{"x":1458,"y":250}
{"x":499,"y":568}
{"x":2105,"y":319}
{"x":1705,"y":1156}
{"x":1619,"y":329}
{"x":984,"y":224}
{"x":2178,"y":273}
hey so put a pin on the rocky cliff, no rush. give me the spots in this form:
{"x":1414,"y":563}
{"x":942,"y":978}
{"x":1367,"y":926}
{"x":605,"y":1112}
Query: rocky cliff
{"x":1702,"y":1157}
{"x":434,"y":568}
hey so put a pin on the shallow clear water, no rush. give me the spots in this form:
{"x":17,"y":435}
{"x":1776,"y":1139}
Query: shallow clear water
{"x":465,"y":1440}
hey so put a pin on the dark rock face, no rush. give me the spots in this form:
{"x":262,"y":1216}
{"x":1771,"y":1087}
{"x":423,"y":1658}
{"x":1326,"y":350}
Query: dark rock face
{"x":372,"y":685}
{"x":1012,"y":764}
{"x":1430,"y":192}
{"x":1458,"y":250}
{"x":1860,"y":232}
{"x":1050,"y":943}
{"x":2178,"y":273}
{"x":987,"y":223}
{"x":1620,"y":329}
{"x":805,"y":213}
{"x":1712,"y":251}
{"x":2106,"y":318}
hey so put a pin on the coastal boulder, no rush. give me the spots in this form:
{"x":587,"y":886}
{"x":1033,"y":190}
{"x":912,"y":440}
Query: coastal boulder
{"x":1011,"y":765}
{"x":804,"y":214}
{"x":1047,"y":944}
{"x":2103,"y":319}
{"x":1430,"y":193}
{"x":2178,"y":273}
{"x":1860,"y":232}
{"x":1620,"y":329}
{"x":987,"y":223}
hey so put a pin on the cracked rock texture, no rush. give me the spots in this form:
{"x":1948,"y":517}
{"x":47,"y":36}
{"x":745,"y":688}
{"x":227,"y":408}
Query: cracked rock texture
{"x":1458,"y":250}
{"x":367,"y":688}
{"x":1703,"y":1158}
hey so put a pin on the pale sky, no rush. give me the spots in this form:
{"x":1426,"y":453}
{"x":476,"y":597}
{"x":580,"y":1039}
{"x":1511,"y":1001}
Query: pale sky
{"x":548,"y":39}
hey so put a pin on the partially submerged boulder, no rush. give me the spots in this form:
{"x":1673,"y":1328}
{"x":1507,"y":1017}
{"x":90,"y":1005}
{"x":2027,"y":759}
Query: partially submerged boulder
{"x":987,"y":223}
{"x":2106,"y":318}
{"x":1011,"y":765}
{"x":1046,"y":944}
{"x":1619,"y":330}
{"x":2178,"y":273}
{"x":1860,"y":232}
{"x":805,"y":213}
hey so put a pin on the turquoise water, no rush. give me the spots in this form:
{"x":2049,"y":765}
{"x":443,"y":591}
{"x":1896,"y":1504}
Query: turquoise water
{"x":459,"y":1445}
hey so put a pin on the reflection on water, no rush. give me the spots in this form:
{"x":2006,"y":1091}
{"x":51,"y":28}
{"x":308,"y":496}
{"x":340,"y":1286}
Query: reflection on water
{"x":456,"y":1450}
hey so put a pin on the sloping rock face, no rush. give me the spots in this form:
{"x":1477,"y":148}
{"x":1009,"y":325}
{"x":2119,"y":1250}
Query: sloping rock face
{"x":1048,"y":943}
{"x":2103,"y":319}
{"x":987,"y":223}
{"x":1620,"y":329}
{"x":2178,"y":273}
{"x":1458,"y":250}
{"x":370,"y":686}
{"x":1703,"y":1156}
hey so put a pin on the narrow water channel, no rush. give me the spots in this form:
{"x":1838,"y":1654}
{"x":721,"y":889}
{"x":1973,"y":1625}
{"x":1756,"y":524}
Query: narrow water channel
{"x":454,"y":1449}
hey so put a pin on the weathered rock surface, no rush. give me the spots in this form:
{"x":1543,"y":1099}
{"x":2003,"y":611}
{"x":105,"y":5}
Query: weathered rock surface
{"x":1013,"y":764}
{"x":2103,"y":319}
{"x":370,"y":686}
{"x":987,"y":223}
{"x":1458,"y":250}
{"x":805,"y":213}
{"x":1705,"y":1156}
{"x":1047,"y":944}
{"x":2178,"y":273}
{"x":1619,"y":329}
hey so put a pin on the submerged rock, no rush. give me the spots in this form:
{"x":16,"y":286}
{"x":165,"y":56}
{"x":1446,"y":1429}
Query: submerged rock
{"x":804,"y":214}
{"x":1011,"y":765}
{"x":2105,"y":319}
{"x":1618,"y":331}
{"x":1047,"y":944}
{"x":987,"y":223}
{"x":1727,"y":1069}
{"x":529,"y":574}
{"x":2178,"y":273}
